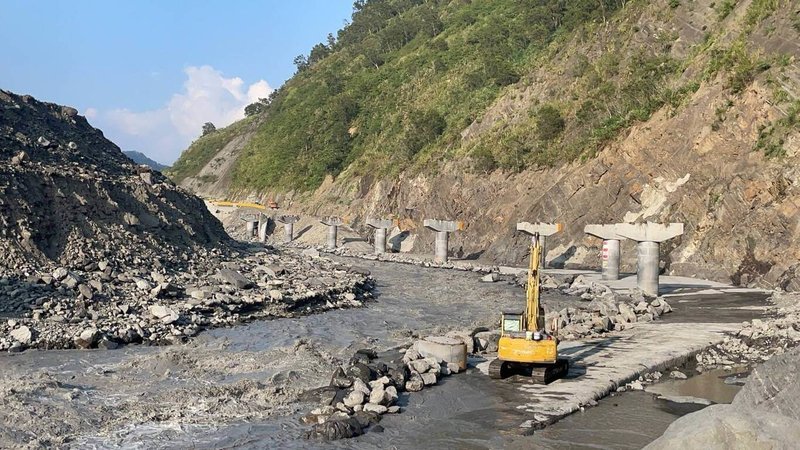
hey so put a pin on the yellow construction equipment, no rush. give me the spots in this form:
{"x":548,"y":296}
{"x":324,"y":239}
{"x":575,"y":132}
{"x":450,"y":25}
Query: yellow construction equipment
{"x":250,"y":205}
{"x":525,"y":346}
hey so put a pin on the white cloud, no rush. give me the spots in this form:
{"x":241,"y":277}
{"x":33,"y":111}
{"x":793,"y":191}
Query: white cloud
{"x":162,"y":134}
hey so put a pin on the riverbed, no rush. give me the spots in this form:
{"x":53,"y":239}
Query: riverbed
{"x":234,"y":388}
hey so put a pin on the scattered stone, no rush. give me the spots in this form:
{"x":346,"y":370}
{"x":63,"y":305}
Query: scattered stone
{"x":678,"y":375}
{"x":23,"y":335}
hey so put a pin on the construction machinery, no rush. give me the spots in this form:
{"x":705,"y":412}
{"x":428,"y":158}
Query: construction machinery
{"x":525,"y":346}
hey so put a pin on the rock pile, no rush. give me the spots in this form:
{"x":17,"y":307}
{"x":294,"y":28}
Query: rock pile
{"x":604,"y":309}
{"x":366,"y":388}
{"x":104,"y":305}
{"x":758,"y":340}
{"x":96,"y":251}
{"x":71,"y":198}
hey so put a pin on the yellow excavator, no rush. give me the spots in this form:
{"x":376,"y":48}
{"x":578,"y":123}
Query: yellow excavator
{"x":525,"y":346}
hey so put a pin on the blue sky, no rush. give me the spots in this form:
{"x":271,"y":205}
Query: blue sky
{"x":146,"y":71}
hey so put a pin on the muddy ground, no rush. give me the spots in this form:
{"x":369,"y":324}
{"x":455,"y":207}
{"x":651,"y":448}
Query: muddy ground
{"x":235,"y":387}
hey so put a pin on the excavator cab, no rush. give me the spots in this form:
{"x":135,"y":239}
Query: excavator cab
{"x":525,"y":345}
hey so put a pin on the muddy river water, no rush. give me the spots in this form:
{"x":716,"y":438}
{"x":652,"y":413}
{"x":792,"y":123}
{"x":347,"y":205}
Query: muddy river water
{"x":201,"y":395}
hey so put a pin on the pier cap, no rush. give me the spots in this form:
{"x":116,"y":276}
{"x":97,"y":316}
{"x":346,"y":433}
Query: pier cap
{"x":444,"y":225}
{"x":605,"y":232}
{"x":544,"y":229}
{"x":380,"y":223}
{"x":649,"y":232}
{"x":287,"y":218}
{"x":332,"y":220}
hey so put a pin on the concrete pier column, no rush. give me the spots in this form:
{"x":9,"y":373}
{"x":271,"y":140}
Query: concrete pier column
{"x":440,"y":252}
{"x":543,"y":230}
{"x":442,"y":228}
{"x":288,"y":231}
{"x":648,"y":235}
{"x":288,"y":222}
{"x":250,"y":227}
{"x":380,"y":241}
{"x":380,"y":226}
{"x":610,"y":261}
{"x":333,"y":224}
{"x":262,"y":230}
{"x":647,"y":270}
{"x":610,"y":256}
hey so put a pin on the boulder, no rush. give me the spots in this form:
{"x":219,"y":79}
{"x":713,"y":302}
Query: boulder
{"x":164,"y":314}
{"x":486,"y":341}
{"x":336,"y":429}
{"x":23,"y":335}
{"x":415,"y":383}
{"x":429,"y":378}
{"x":234,"y":278}
{"x":87,"y":339}
{"x":354,"y":398}
{"x":375,"y":408}
{"x":340,"y":379}
{"x":490,"y":278}
{"x":377,"y":395}
{"x":419,"y":365}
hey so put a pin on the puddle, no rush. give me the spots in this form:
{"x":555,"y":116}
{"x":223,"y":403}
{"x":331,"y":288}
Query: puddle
{"x":709,"y":385}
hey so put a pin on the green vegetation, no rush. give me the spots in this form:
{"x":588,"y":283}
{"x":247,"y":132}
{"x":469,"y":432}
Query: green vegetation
{"x":203,"y":149}
{"x":772,"y":137}
{"x":407,"y":84}
{"x":396,"y":87}
{"x":742,"y":67}
{"x":724,"y":8}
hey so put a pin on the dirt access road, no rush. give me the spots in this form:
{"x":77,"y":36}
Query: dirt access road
{"x":235,"y":388}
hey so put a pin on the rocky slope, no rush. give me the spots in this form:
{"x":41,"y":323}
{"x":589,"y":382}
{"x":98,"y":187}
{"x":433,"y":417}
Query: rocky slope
{"x":69,"y":197}
{"x":715,"y":146}
{"x":98,"y":251}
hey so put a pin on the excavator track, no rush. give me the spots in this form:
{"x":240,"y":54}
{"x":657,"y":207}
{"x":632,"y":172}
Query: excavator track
{"x":499,"y":369}
{"x":539,"y":373}
{"x":546,"y":374}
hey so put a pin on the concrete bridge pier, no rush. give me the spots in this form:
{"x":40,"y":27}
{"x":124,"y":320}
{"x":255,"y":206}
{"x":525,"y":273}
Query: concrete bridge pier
{"x":649,"y":235}
{"x":288,"y":222}
{"x":380,"y":226}
{"x":262,"y":229}
{"x":251,"y":227}
{"x":333,"y":224}
{"x":542,"y":230}
{"x":611,"y":255}
{"x":442,"y":229}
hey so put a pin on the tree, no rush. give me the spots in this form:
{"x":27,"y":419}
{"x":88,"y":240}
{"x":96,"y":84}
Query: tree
{"x":549,"y":123}
{"x":318,"y":53}
{"x":208,"y":128}
{"x":301,"y":62}
{"x":256,"y":108}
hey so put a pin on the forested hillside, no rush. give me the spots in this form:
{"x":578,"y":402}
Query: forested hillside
{"x":577,"y":111}
{"x":400,"y":83}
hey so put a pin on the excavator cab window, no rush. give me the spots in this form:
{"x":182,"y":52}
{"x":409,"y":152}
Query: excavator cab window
{"x":512,"y":322}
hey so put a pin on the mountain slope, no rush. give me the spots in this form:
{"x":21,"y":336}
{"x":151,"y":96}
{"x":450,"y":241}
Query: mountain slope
{"x":142,"y":159}
{"x":665,"y":110}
